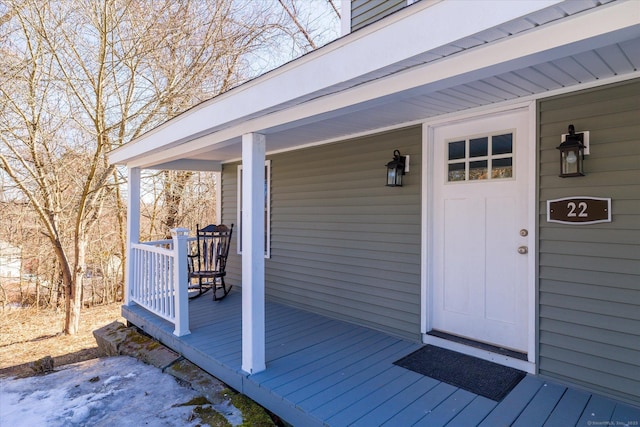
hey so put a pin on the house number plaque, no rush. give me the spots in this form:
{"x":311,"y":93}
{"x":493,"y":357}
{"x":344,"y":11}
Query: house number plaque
{"x":579,"y":210}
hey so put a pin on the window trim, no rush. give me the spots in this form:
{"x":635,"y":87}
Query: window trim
{"x":267,"y":208}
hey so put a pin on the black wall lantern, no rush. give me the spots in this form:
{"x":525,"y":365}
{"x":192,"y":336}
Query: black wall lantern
{"x":572,"y":154}
{"x":395,"y":170}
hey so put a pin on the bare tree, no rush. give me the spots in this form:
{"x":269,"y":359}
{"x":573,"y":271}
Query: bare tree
{"x":80,"y":78}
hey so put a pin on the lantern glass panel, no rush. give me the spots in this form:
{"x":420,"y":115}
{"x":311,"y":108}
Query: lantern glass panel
{"x":391,"y":176}
{"x":398,"y":178}
{"x":571,"y":161}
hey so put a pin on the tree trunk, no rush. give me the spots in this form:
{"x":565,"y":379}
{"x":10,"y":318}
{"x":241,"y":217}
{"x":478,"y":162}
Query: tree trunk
{"x":174,"y":187}
{"x":74,"y":296}
{"x":73,"y":306}
{"x":72,"y":282}
{"x":67,"y":283}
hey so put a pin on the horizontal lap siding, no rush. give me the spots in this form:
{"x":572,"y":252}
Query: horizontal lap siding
{"x":589,"y":275}
{"x":342,"y":243}
{"x":364,"y":12}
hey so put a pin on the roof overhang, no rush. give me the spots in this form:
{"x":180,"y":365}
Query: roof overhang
{"x":410,"y":66}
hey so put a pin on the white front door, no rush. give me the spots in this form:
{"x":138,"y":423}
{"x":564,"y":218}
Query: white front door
{"x":481,"y":215}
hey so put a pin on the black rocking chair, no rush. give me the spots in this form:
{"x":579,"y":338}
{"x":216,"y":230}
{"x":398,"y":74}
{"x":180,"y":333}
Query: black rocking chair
{"x":207,"y":261}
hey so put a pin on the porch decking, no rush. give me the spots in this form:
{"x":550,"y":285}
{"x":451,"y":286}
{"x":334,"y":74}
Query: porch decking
{"x":322,"y":371}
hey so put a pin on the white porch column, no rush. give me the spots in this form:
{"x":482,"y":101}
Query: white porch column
{"x":218,"y":193}
{"x":133,"y":228}
{"x":253,"y":228}
{"x":180,"y":237}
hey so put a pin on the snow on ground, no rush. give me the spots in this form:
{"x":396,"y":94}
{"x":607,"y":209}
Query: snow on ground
{"x":115,"y":391}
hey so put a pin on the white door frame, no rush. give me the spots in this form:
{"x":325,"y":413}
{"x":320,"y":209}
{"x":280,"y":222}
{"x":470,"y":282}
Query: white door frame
{"x":427,"y":283}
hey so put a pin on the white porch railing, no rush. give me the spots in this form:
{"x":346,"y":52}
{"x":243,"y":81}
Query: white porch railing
{"x":158,"y":278}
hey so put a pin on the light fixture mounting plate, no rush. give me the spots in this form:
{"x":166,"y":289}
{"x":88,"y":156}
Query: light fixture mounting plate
{"x":585,"y":140}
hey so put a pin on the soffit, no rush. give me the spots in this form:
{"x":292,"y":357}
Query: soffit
{"x":604,"y":61}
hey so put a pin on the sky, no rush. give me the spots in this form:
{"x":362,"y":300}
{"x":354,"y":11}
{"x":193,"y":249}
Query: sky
{"x":116,"y":391}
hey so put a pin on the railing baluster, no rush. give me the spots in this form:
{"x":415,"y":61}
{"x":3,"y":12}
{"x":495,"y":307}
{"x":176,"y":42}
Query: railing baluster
{"x":153,"y":297}
{"x":163,"y":285}
{"x":143,"y":278}
{"x":168,"y":290}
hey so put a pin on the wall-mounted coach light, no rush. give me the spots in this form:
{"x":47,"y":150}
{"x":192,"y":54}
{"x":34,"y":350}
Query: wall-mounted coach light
{"x":395,"y":170}
{"x":572,"y":154}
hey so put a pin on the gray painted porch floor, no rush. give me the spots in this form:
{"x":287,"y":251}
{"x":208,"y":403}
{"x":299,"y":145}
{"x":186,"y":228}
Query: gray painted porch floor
{"x":322,"y":371}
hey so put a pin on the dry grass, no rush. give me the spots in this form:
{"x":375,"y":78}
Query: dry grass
{"x":27,"y":334}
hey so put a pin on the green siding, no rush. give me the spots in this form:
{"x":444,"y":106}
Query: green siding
{"x":589,"y":275}
{"x":364,"y":12}
{"x":342,"y":243}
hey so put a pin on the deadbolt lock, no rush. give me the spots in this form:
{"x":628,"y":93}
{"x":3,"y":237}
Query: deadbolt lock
{"x":524,"y":232}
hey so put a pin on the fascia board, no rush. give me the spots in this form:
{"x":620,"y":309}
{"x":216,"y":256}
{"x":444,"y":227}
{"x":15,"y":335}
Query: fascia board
{"x":189,"y":165}
{"x":617,"y":22}
{"x":428,"y":26}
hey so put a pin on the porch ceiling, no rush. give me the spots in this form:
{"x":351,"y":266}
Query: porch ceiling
{"x":569,"y":44}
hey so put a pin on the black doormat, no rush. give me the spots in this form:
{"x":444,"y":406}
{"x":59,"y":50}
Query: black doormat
{"x":478,"y":376}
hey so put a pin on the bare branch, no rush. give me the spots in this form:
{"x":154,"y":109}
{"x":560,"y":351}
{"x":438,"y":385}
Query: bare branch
{"x":302,"y":30}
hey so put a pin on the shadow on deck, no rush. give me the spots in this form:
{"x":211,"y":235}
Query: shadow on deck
{"x":322,"y":371}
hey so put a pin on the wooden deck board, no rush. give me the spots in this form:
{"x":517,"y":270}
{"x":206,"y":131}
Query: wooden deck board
{"x":420,"y":407}
{"x":301,"y":375}
{"x":538,"y":410}
{"x":568,"y":411}
{"x":473,"y":414}
{"x":299,"y":340}
{"x":285,"y":370}
{"x":598,"y":412}
{"x":625,"y":415}
{"x":322,"y":371}
{"x":342,"y":381}
{"x":511,"y":406}
{"x":382,"y":403}
{"x":448,"y":410}
{"x":335,"y":399}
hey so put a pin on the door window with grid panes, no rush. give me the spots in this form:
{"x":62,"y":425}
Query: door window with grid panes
{"x":487,"y":157}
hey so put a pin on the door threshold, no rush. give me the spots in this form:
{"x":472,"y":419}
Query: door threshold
{"x":501,"y":356}
{"x":478,"y":344}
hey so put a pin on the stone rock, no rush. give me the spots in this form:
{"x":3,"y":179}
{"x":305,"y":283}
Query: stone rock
{"x":147,"y":350}
{"x":42,"y":366}
{"x":115,"y":339}
{"x":110,"y":337}
{"x":199,"y":380}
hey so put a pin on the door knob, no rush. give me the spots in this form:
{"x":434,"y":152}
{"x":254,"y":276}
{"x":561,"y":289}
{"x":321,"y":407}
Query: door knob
{"x":523,"y":250}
